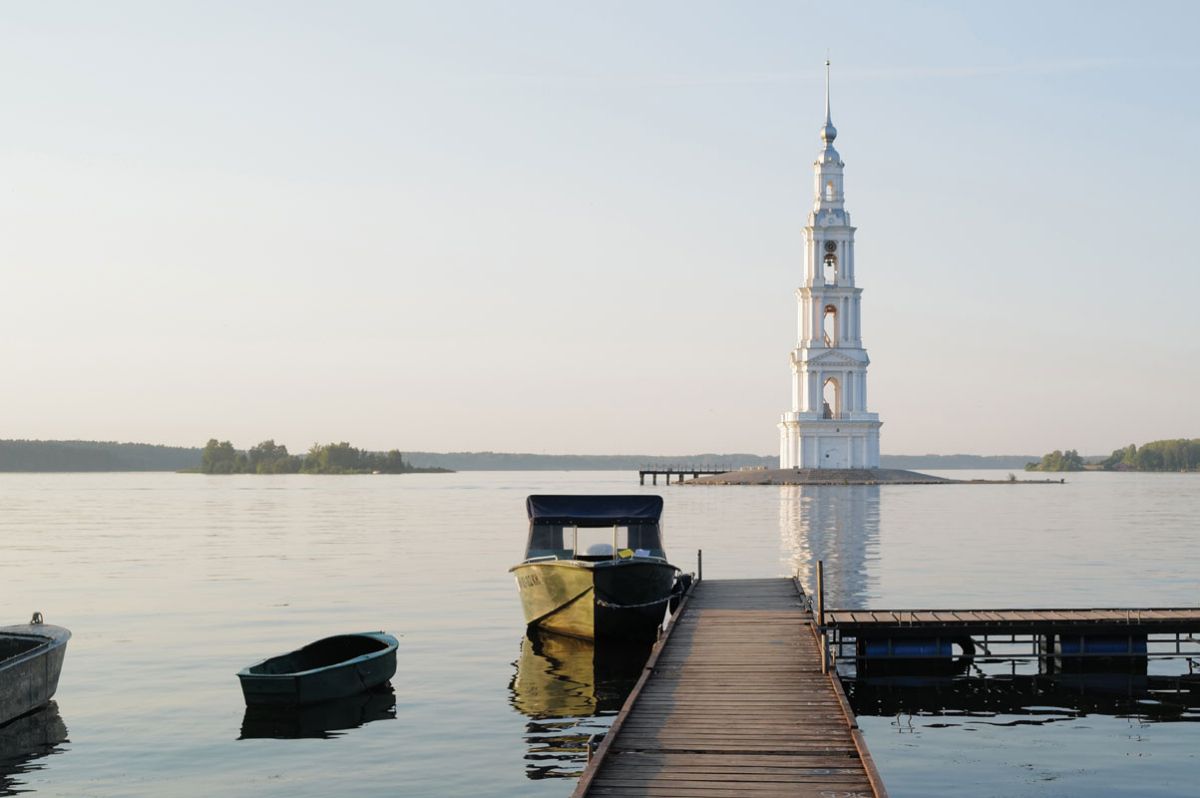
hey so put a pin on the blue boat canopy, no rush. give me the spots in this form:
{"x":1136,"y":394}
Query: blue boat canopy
{"x":594,"y":510}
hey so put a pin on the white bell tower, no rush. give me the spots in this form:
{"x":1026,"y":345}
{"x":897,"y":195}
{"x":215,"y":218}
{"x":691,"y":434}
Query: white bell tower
{"x":828,"y":425}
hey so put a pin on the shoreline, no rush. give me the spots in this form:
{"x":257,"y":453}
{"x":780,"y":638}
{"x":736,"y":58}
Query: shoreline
{"x":849,"y":476}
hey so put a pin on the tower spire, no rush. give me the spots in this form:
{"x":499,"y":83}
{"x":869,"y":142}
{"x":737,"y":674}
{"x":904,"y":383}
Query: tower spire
{"x":828,"y":118}
{"x":828,"y":132}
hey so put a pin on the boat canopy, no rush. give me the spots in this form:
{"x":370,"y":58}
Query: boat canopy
{"x":594,"y":510}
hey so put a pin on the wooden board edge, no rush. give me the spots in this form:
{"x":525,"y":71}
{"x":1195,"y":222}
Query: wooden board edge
{"x":593,"y":766}
{"x":860,"y":744}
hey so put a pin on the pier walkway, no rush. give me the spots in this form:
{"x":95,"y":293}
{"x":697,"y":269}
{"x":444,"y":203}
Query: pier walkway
{"x":733,"y":704}
{"x":679,"y":472}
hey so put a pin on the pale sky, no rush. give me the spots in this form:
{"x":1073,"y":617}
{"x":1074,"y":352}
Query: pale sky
{"x":576,"y":227}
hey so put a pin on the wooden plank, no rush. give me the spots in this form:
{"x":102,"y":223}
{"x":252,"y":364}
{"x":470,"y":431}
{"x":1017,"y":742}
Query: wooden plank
{"x":733,"y":704}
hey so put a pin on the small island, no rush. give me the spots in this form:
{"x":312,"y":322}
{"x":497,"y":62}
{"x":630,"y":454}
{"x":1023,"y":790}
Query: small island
{"x":1058,"y":461}
{"x":219,"y":457}
{"x":1178,"y":454}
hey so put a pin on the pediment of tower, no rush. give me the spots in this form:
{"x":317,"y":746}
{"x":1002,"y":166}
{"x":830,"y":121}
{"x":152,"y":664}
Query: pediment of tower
{"x":829,"y":217}
{"x":836,"y":360}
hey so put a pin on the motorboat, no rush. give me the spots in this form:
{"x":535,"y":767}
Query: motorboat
{"x":31,"y":659}
{"x":333,"y":667}
{"x":595,"y":567}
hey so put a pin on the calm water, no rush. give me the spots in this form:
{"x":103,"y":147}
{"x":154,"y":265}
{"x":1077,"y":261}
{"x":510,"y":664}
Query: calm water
{"x":171,"y":583}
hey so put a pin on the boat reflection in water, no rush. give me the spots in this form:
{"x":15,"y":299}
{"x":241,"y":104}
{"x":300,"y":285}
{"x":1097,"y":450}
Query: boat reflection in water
{"x":25,"y":740}
{"x":569,"y":689}
{"x":323,"y":721}
{"x":1024,"y":700}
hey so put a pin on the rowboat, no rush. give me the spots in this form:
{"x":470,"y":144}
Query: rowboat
{"x":31,"y":658}
{"x":333,"y":667}
{"x":595,"y":567}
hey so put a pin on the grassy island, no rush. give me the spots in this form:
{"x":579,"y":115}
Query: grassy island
{"x":219,"y":457}
{"x":1058,"y":461}
{"x":1180,"y":454}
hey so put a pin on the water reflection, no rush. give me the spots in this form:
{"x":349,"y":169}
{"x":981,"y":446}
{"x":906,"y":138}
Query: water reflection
{"x":24,"y":741}
{"x":569,"y":689}
{"x":838,"y":524}
{"x":1025,"y":700}
{"x":323,"y":721}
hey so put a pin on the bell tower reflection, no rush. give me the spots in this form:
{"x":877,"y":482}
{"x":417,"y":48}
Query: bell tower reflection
{"x":838,"y":524}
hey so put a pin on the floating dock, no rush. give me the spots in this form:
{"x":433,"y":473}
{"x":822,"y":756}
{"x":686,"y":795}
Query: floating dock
{"x":1057,"y":638}
{"x":733,"y":703}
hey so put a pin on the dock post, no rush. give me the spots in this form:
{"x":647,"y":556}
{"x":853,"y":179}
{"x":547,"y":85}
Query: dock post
{"x":641,"y":477}
{"x":699,"y":564}
{"x":654,"y":477}
{"x":821,"y":615}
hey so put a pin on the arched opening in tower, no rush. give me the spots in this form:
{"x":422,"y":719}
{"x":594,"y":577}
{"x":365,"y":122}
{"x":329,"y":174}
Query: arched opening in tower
{"x":829,"y":325}
{"x":831,"y":269}
{"x":831,"y":394}
{"x":829,"y":195}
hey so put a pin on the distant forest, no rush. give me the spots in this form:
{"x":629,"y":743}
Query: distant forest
{"x":1179,"y":454}
{"x":94,"y":456}
{"x":22,"y":455}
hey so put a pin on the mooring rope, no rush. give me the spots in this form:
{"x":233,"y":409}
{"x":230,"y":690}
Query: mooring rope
{"x":612,"y":605}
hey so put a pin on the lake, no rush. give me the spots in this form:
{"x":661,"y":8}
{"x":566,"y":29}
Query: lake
{"x":171,"y":583}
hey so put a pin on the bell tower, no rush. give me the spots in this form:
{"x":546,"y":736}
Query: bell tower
{"x":829,"y":425}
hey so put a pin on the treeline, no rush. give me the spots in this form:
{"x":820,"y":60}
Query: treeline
{"x":219,"y":457}
{"x":1180,"y":454}
{"x":1058,"y":461}
{"x":62,"y":456}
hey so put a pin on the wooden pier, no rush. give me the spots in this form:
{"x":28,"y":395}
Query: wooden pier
{"x":679,"y":472}
{"x":733,"y":704}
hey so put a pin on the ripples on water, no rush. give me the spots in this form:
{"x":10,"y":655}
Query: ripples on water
{"x":171,"y":583}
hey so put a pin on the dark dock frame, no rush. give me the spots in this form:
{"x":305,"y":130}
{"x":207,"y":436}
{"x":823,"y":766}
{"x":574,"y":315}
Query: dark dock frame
{"x":679,"y":471}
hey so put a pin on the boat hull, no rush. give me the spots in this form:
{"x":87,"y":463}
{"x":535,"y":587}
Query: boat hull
{"x":31,"y":659}
{"x":610,"y":599}
{"x":315,"y":673}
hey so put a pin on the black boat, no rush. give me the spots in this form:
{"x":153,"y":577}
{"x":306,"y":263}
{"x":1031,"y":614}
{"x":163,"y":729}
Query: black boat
{"x":334,"y":667}
{"x":31,"y":658}
{"x":595,"y":567}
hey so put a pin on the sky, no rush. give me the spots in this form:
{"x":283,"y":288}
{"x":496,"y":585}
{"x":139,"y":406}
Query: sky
{"x":570,"y":227}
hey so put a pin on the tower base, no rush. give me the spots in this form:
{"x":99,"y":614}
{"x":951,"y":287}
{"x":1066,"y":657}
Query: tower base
{"x":828,"y":443}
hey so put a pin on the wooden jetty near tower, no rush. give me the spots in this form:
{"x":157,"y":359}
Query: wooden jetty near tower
{"x":734,"y":702}
{"x":679,"y":472}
